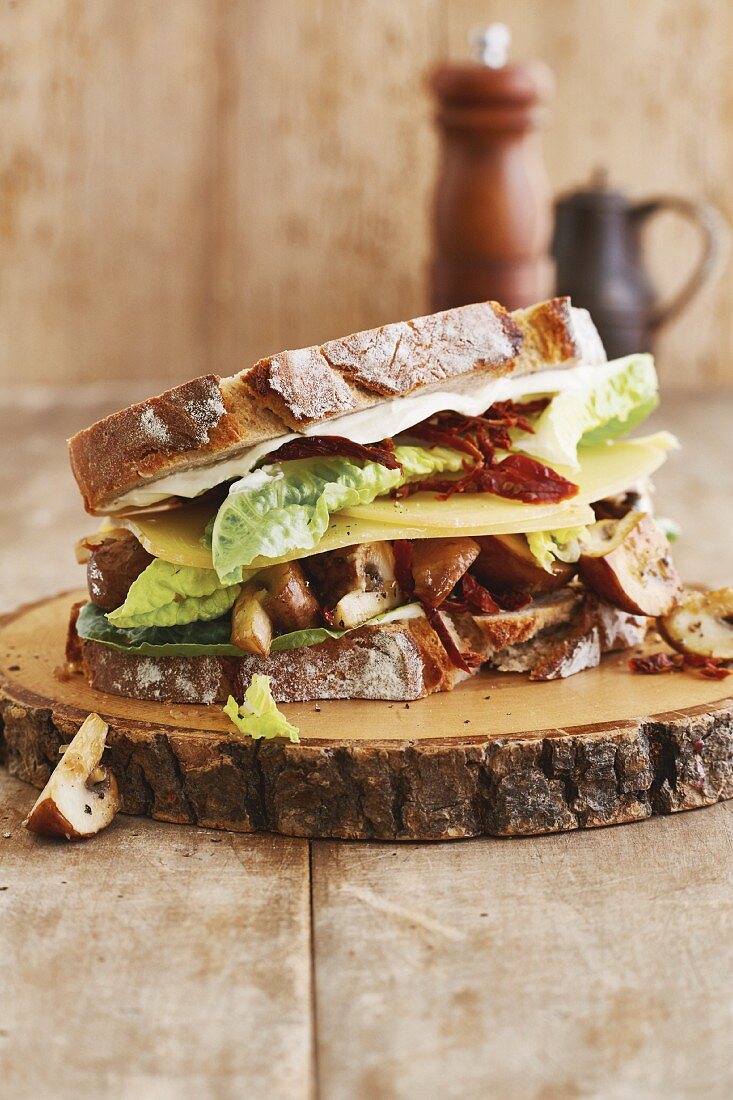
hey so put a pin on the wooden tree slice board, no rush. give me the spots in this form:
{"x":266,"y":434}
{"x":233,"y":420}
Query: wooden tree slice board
{"x":499,"y":755}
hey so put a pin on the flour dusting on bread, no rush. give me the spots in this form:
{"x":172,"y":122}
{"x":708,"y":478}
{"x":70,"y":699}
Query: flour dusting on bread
{"x":210,"y":419}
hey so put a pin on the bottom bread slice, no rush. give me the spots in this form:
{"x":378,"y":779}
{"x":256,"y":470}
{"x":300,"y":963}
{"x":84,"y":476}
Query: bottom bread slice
{"x":557,"y":636}
{"x":399,"y":661}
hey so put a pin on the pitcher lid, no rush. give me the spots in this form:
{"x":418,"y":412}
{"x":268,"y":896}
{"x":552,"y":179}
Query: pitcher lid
{"x":596,"y":195}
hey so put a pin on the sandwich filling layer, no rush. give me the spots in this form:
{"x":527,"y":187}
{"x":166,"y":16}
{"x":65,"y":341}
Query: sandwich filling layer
{"x":480,"y":501}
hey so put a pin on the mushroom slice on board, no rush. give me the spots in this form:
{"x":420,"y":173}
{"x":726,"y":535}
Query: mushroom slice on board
{"x":82,"y":796}
{"x":628,"y":563}
{"x":702,"y":624}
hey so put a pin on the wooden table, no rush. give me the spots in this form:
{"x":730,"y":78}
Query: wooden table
{"x":162,"y":962}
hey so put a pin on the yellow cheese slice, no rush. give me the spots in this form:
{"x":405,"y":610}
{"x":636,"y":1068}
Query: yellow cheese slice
{"x":177,"y":535}
{"x":605,"y":470}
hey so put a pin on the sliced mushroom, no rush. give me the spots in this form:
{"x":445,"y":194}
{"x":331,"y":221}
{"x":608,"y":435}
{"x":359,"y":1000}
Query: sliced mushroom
{"x":607,"y":534}
{"x":638,"y":498}
{"x":288,"y":600}
{"x":439,"y":564}
{"x":82,"y":796}
{"x":702,"y":624}
{"x":506,"y":564}
{"x":357,"y":582}
{"x":112,"y":566}
{"x":251,"y":625}
{"x":628,"y":563}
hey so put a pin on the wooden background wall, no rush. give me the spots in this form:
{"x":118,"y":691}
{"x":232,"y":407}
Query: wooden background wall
{"x":186,"y":185}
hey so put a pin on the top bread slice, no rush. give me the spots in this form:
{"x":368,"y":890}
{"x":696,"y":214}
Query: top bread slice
{"x":210,"y":419}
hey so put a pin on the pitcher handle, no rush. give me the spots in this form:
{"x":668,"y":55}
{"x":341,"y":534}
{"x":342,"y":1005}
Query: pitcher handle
{"x":715,"y":240}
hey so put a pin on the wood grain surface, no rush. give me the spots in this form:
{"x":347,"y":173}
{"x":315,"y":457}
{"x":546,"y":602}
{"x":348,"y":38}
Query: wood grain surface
{"x":170,"y":970}
{"x":188,"y":186}
{"x":591,"y":965}
{"x":601,"y":969}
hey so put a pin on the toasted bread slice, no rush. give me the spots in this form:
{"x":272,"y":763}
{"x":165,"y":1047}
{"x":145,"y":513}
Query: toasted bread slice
{"x":556,"y":653}
{"x":513,"y":628}
{"x":572,"y":644}
{"x":210,"y":419}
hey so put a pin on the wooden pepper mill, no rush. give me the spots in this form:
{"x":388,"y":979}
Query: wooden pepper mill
{"x":493,"y":206}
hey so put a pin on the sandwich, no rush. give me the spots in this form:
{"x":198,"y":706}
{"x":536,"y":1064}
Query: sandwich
{"x":379,"y":517}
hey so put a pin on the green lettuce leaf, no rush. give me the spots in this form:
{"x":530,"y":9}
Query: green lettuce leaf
{"x":196,"y":639}
{"x":618,"y":396}
{"x":172,"y":595}
{"x":206,"y":639}
{"x":563,"y":544}
{"x":258,"y":715}
{"x":287,"y":506}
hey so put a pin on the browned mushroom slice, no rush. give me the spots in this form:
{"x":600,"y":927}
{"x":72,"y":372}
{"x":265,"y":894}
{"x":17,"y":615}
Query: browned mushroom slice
{"x":276,"y":600}
{"x":81,"y":797}
{"x":251,"y":625}
{"x":356,"y":583}
{"x":439,"y":564}
{"x":638,"y":498}
{"x":288,"y":600}
{"x":112,"y":566}
{"x":506,"y":564}
{"x":628,"y":563}
{"x":702,"y":624}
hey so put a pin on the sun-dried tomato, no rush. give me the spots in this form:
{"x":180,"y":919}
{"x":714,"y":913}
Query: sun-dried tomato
{"x":505,"y":601}
{"x":467,"y":662}
{"x":514,"y":414}
{"x":516,"y":477}
{"x":439,"y":438}
{"x":519,"y":408}
{"x":402,"y":549}
{"x":478,"y":597}
{"x":453,"y":604}
{"x":697,"y":660}
{"x":655,"y":663}
{"x":710,"y":667}
{"x":714,"y":671}
{"x":512,"y":601}
{"x":442,"y":487}
{"x":519,"y":477}
{"x":486,"y":445}
{"x":329,"y":616}
{"x":335,"y":446}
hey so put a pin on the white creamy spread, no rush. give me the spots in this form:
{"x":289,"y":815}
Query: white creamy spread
{"x":256,"y":479}
{"x":386,"y":419}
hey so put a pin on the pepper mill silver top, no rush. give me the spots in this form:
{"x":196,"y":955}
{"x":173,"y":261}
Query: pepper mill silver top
{"x":491,"y":44}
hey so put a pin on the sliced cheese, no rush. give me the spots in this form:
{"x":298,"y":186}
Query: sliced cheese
{"x":605,"y":470}
{"x":177,"y":535}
